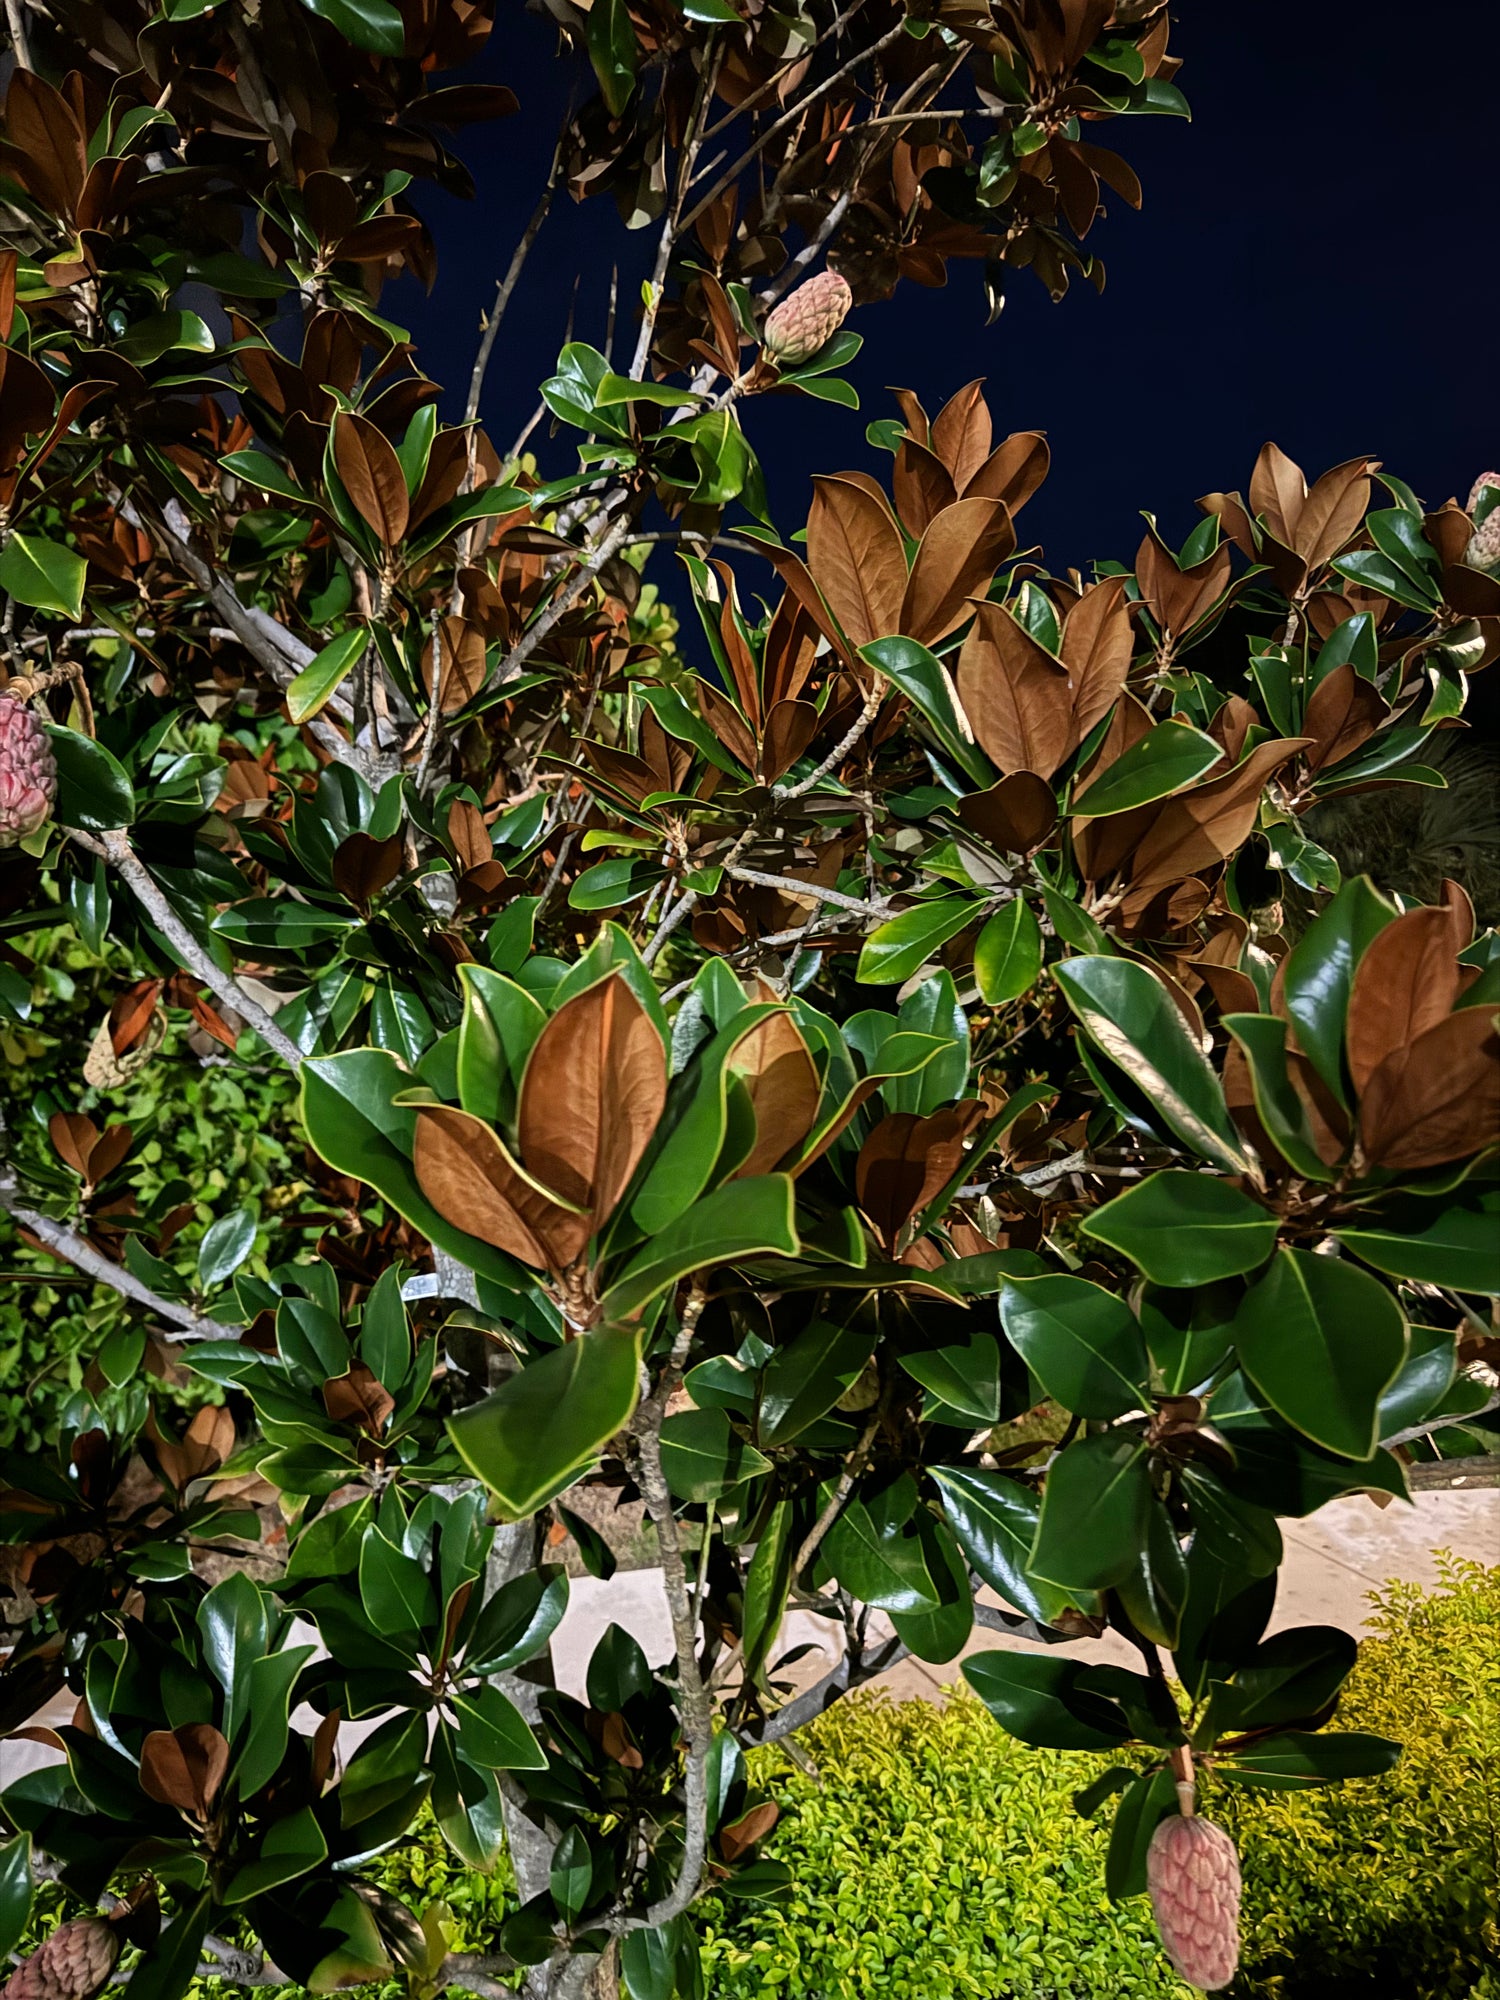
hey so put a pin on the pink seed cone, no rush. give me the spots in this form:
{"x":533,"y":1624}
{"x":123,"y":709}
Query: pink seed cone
{"x":28,"y":772}
{"x":1483,"y":551}
{"x":1193,"y":1873}
{"x":72,"y":1964}
{"x":807,"y":320}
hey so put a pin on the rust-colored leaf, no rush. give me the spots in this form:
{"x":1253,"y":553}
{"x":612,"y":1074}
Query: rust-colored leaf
{"x":184,"y":1768}
{"x":739,"y":1837}
{"x":468,"y":834}
{"x":1278,"y":491}
{"x":1012,"y":472}
{"x":362,"y":867}
{"x":1333,"y":512}
{"x":962,"y":433}
{"x":40,"y":124}
{"x":201,"y":1450}
{"x":130,"y":1014}
{"x":790,"y":727}
{"x":906,"y":1160}
{"x":359,"y":1398}
{"x":108,"y":1150}
{"x":923,"y":486}
{"x":1437,"y":1099}
{"x":593,"y":1090}
{"x":461,"y":663}
{"x":1014,"y":816}
{"x":73,"y":1138}
{"x":737,"y":652}
{"x":790,"y":649}
{"x":857,"y":559}
{"x":913,"y":415}
{"x":774,"y":1065}
{"x":726,"y":722}
{"x":1178,"y":598}
{"x":464,"y":1170}
{"x":1015,"y":694}
{"x":1096,"y":648}
{"x":617,"y":1743}
{"x":1345,"y":711}
{"x":1197,"y":829}
{"x":1407,"y":981}
{"x":372,"y":476}
{"x":956,"y":561}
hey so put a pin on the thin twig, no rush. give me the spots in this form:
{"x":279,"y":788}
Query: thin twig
{"x":15,"y":14}
{"x":506,"y":287}
{"x":853,"y":1466}
{"x":792,"y":887}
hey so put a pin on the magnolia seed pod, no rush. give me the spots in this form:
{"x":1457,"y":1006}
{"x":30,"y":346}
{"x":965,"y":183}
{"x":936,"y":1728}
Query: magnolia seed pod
{"x":807,"y":320}
{"x":73,"y":1964}
{"x":1193,"y":1874}
{"x":28,"y":772}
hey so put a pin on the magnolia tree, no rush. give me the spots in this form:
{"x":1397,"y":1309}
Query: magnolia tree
{"x":747,"y":1087}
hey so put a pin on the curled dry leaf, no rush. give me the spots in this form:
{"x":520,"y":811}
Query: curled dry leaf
{"x":773,"y":1064}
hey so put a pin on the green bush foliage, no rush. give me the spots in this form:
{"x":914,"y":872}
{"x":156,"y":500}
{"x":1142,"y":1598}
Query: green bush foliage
{"x":934,"y":1855}
{"x":1390,"y":1885}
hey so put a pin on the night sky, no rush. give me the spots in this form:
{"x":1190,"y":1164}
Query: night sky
{"x":1315,"y":262}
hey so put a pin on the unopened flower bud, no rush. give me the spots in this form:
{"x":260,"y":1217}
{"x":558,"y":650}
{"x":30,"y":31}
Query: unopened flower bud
{"x":807,"y":320}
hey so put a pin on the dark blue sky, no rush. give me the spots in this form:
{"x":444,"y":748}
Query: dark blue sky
{"x":1315,"y":262}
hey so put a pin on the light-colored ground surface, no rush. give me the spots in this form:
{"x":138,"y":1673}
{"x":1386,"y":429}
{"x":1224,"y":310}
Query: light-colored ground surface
{"x":1332,"y":1563}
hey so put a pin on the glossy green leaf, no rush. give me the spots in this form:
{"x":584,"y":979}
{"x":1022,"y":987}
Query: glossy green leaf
{"x":1280,"y":1471}
{"x":293,"y":1846}
{"x":1263,"y":1039}
{"x":537,"y":1432}
{"x":225,"y":1246}
{"x":15,"y":1892}
{"x":1165,"y":760}
{"x":1423,"y":1386}
{"x":370,"y":24}
{"x":1083,"y":1344}
{"x":767,"y":1583}
{"x":702,"y":1455}
{"x":690,"y":1136}
{"x":804,"y":1380}
{"x":1008,"y":954}
{"x":1290,"y":1677}
{"x":941,"y":1634}
{"x":924,"y":681}
{"x":1295,"y":1759}
{"x":519,"y":1620}
{"x":1186,"y":1229}
{"x":572,"y":1873}
{"x":93,"y":791}
{"x":748,"y":1218}
{"x":322,"y":677}
{"x":879,"y":1560}
{"x":1096,"y":1510}
{"x":168,"y":1969}
{"x":43,"y":574}
{"x":1322,"y":1340}
{"x":268,"y":1707}
{"x":896,"y":949}
{"x":1459,"y":1248}
{"x":618,"y":1671}
{"x":963,"y":1375}
{"x":995,"y":1519}
{"x":1035,"y":1696}
{"x":1188,"y":1334}
{"x":1320,"y":972}
{"x":500,"y":1025}
{"x":1140,"y":1812}
{"x":234,"y":1627}
{"x":493,"y":1732}
{"x":1133,"y":1019}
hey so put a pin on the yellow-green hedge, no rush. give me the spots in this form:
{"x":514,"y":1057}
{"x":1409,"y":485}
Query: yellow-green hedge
{"x":936,"y":1857}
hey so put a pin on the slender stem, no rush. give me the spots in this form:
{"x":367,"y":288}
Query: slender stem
{"x":792,"y":887}
{"x":790,"y":118}
{"x":506,"y":287}
{"x":15,"y":15}
{"x":853,"y":1466}
{"x":115,"y":848}
{"x":76,"y":1250}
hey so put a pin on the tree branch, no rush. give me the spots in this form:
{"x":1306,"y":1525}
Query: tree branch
{"x":76,"y":1250}
{"x":792,"y":887}
{"x":506,"y":287}
{"x":115,"y":848}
